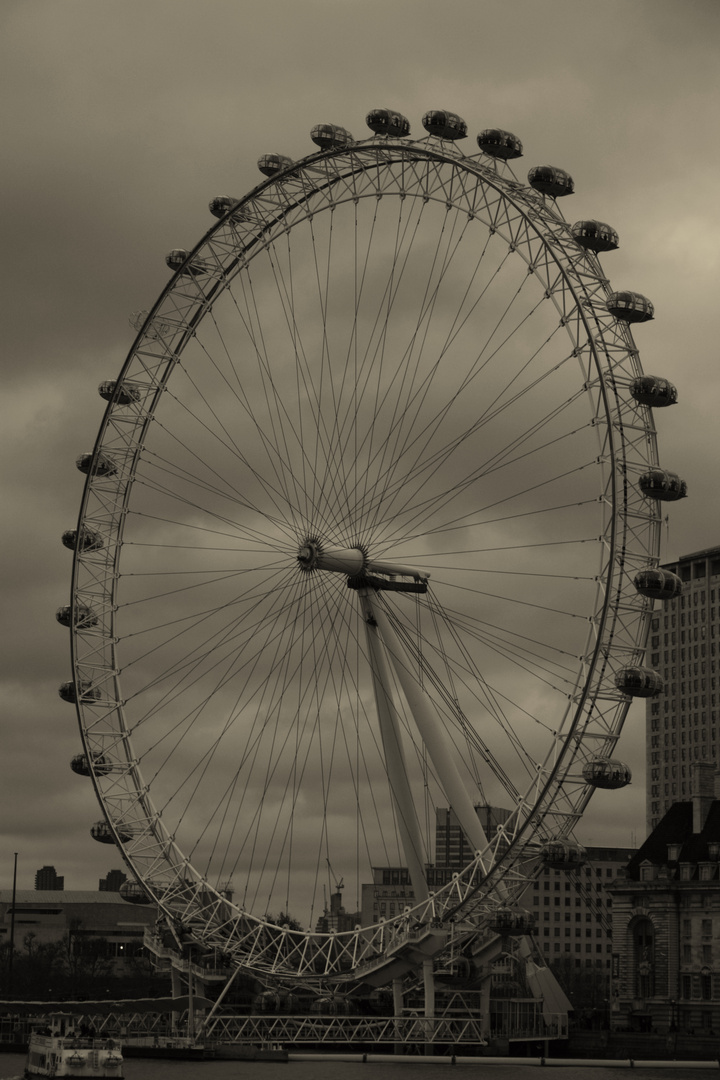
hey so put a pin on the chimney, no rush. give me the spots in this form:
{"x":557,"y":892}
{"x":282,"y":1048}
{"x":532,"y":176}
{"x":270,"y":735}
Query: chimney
{"x":703,"y":792}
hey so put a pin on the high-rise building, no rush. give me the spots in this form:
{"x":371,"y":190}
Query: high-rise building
{"x":112,"y":881}
{"x":667,"y":913}
{"x":684,"y":721}
{"x":573,"y":911}
{"x":47,"y":880}
{"x":452,"y":847}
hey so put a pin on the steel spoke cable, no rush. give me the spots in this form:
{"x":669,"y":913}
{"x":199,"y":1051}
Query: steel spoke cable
{"x":423,"y":468}
{"x":477,"y":365}
{"x":374,"y":361}
{"x":401,"y":530}
{"x":192,"y":661}
{"x":446,"y":249}
{"x":283,"y":657}
{"x":277,"y":495}
{"x":421,"y":440}
{"x":213,"y":515}
{"x":236,"y":389}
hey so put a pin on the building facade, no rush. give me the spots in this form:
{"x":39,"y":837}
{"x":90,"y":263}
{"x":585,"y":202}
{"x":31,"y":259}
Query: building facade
{"x":574,"y":911}
{"x":47,"y":880}
{"x":51,"y":915}
{"x":112,"y":881}
{"x":682,"y":725}
{"x":666,"y":914}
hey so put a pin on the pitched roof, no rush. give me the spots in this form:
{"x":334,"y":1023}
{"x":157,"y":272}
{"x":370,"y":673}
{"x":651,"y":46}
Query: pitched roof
{"x":676,"y":827}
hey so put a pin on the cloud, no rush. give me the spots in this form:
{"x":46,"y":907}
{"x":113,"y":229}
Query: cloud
{"x":126,"y":120}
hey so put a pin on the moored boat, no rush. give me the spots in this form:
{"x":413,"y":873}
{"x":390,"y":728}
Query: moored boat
{"x":59,"y":1049}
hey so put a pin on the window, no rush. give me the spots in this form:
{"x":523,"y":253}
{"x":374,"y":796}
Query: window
{"x":643,"y":942}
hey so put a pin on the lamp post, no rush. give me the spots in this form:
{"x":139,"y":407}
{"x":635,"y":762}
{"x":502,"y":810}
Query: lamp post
{"x":673,"y":1025}
{"x":12,"y":931}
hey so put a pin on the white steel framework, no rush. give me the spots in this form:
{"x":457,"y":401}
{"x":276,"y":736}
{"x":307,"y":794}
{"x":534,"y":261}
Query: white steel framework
{"x":397,"y":353}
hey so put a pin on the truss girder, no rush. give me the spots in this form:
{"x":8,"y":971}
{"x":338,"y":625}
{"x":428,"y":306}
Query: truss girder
{"x":573,"y":281}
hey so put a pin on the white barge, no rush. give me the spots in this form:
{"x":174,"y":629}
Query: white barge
{"x":61,"y":1050}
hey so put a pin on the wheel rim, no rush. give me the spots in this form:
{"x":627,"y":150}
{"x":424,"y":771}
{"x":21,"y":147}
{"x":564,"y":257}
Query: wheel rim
{"x":400,"y":352}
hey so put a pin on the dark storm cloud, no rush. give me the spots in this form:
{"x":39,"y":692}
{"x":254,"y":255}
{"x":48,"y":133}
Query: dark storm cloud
{"x":121,"y":121}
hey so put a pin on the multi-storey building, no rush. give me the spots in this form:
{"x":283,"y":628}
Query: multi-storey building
{"x":391,"y":890}
{"x":684,"y":721}
{"x":50,"y":915}
{"x":667,"y":919}
{"x":46,"y":879}
{"x":112,"y":881}
{"x":573,"y":911}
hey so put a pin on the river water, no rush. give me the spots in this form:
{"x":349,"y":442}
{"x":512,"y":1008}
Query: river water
{"x":302,"y":1067}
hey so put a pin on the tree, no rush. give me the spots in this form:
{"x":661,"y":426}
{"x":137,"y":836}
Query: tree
{"x":586,"y":987}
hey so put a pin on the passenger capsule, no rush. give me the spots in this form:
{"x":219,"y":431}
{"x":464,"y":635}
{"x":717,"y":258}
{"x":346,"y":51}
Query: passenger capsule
{"x":83,"y":539}
{"x":595,"y":236}
{"x":388,"y":122}
{"x":563,"y":855}
{"x":639,"y":682}
{"x":126,"y":393}
{"x":607,"y":774}
{"x":82,"y":616}
{"x":663,"y":485}
{"x":220,"y":205}
{"x":180,"y":263}
{"x":133,"y":893}
{"x":511,"y":921}
{"x":653,"y":391}
{"x":81,"y":765}
{"x":500,"y":144}
{"x":445,"y":125}
{"x":87,"y":692}
{"x":272,"y":164}
{"x":658,"y":584}
{"x":100,"y":464}
{"x":331,"y":136}
{"x":630,"y":307}
{"x":102,"y":832}
{"x":551,"y":181}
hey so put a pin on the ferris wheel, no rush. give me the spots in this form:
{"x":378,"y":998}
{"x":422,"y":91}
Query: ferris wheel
{"x":369,"y":540}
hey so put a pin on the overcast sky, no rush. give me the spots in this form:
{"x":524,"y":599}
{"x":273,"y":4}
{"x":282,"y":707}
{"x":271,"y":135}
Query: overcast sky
{"x":120,"y":120}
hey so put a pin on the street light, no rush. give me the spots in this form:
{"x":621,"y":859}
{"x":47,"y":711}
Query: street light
{"x":673,"y":1025}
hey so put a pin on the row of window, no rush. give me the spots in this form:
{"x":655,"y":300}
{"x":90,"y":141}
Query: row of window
{"x":706,"y":954}
{"x":578,"y":917}
{"x":588,"y":963}
{"x":706,"y":927}
{"x":578,"y":932}
{"x":669,"y":772}
{"x":597,"y":902}
{"x":698,"y":987}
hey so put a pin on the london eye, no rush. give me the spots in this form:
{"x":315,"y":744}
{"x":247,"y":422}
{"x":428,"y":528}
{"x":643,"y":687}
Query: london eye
{"x":370,"y":532}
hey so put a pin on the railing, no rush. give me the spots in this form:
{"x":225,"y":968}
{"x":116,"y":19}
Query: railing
{"x":213,"y":970}
{"x":345,"y":1030}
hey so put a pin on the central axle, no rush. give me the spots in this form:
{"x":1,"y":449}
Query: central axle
{"x":353,"y":562}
